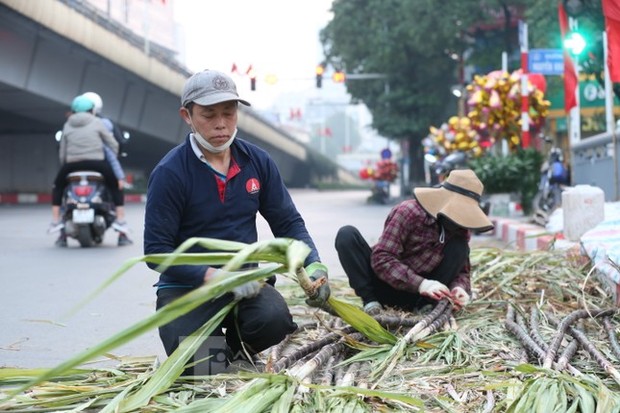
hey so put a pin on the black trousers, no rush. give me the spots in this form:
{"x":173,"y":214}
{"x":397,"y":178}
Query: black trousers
{"x":259,"y":322}
{"x":102,"y":167}
{"x":354,"y":254}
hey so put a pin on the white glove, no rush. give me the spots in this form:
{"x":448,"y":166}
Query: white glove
{"x":433,"y":289}
{"x":247,"y":290}
{"x":460,"y":297}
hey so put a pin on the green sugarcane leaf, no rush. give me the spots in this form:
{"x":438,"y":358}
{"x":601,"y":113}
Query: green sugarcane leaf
{"x":361,"y":321}
{"x":174,"y":365}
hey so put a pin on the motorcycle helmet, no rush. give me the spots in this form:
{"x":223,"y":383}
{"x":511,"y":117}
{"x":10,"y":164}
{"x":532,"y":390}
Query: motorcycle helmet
{"x":96,"y":99}
{"x":82,"y":104}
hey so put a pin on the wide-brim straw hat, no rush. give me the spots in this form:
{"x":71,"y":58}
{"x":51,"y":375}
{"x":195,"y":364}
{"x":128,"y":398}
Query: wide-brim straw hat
{"x":458,"y":199}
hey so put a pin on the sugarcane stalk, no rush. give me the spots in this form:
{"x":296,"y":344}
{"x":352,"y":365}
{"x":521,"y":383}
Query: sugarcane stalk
{"x":563,"y":326}
{"x":328,"y":374}
{"x":535,"y":331}
{"x":321,"y":357}
{"x":613,"y":340}
{"x":569,"y":351}
{"x":428,"y":324}
{"x":311,"y":288}
{"x":349,"y":375}
{"x":276,"y":351}
{"x":587,"y":345}
{"x":396,"y":321}
{"x":438,"y":323}
{"x":428,"y":319}
{"x":309,"y":348}
{"x":527,"y":341}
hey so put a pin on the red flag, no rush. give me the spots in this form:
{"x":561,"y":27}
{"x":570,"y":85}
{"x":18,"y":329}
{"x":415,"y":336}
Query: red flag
{"x":571,"y":83}
{"x":611,"y":11}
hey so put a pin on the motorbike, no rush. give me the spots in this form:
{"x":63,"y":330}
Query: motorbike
{"x":554,"y":178}
{"x":87,"y":208}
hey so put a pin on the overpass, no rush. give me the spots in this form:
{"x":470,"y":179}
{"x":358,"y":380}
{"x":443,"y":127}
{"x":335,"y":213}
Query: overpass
{"x":54,"y":50}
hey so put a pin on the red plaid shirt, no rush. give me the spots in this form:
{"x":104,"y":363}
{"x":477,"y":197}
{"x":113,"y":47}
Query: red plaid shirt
{"x":409,"y":248}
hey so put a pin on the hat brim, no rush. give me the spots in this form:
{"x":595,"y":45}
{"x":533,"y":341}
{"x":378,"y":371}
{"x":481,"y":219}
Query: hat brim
{"x":460,"y":209}
{"x":216,"y":98}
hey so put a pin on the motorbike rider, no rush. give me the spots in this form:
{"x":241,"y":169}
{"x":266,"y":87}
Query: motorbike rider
{"x":111,"y":155}
{"x":81,"y":148}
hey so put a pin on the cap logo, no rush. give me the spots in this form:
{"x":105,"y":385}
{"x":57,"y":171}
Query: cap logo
{"x":220,"y":83}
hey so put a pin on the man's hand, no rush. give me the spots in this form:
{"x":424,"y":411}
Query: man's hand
{"x":316,"y":271}
{"x":433,"y":289}
{"x":247,"y":290}
{"x":460,"y":298}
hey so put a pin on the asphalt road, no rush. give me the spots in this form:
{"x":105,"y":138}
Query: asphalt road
{"x":42,"y":284}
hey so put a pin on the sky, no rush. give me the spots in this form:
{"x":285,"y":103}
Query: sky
{"x":276,"y":37}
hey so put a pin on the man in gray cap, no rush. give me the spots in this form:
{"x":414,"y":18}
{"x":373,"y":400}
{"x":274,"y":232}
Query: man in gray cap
{"x":213,"y":185}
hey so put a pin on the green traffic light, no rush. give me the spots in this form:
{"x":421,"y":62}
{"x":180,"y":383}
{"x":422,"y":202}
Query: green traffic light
{"x":575,"y":43}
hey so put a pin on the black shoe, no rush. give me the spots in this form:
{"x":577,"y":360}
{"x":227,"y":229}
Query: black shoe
{"x":123,"y":240}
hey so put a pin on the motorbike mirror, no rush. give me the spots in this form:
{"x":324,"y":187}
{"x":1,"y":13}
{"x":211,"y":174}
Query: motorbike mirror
{"x":58,"y":136}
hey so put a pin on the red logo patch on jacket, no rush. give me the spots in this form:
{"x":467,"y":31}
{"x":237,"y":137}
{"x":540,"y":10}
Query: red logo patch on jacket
{"x":252,"y":186}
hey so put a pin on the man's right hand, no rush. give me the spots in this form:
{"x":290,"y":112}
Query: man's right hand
{"x":247,"y":290}
{"x":433,"y":289}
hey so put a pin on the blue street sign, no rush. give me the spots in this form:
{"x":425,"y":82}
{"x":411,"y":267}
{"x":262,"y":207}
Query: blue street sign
{"x":546,"y":61}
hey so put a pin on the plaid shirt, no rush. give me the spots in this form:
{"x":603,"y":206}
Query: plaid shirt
{"x":409,"y":248}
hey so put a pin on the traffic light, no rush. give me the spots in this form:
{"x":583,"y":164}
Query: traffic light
{"x":339,"y":76}
{"x":252,"y":75}
{"x":319,"y":76}
{"x":575,"y":43}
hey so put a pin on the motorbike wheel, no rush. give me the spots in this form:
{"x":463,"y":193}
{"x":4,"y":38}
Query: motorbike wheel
{"x":84,"y":236}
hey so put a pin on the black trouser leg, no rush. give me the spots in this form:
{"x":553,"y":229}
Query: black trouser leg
{"x":354,"y":255}
{"x":259,"y":322}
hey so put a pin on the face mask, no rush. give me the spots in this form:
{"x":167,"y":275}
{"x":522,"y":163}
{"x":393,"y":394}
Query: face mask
{"x":203,"y":142}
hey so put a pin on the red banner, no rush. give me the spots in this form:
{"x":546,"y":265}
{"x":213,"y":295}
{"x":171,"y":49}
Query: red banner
{"x":611,"y":11}
{"x":571,"y":83}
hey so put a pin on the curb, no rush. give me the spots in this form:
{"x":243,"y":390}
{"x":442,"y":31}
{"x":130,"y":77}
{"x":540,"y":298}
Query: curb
{"x":34,"y":198}
{"x":526,"y":236}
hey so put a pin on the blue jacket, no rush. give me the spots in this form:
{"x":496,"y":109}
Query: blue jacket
{"x":184,"y":200}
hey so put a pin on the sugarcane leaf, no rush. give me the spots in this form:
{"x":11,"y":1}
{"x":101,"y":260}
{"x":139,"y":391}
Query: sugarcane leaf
{"x":174,"y":365}
{"x":284,"y":403}
{"x":361,"y":321}
{"x":113,"y":405}
{"x":400,"y":397}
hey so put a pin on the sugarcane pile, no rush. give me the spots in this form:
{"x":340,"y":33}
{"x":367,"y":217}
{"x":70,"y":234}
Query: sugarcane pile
{"x":539,"y":335}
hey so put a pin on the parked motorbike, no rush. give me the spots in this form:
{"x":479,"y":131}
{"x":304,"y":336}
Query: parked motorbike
{"x":87,"y":208}
{"x":554,"y":178}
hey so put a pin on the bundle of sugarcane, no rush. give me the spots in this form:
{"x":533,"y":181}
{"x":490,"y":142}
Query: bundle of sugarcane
{"x":473,"y":363}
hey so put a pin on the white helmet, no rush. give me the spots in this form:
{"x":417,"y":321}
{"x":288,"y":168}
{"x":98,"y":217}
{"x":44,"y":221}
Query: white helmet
{"x":96,"y":99}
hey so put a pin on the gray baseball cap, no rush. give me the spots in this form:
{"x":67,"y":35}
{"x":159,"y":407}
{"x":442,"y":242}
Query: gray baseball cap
{"x":210,"y":87}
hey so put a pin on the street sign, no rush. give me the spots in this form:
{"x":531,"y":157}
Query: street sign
{"x":546,"y":61}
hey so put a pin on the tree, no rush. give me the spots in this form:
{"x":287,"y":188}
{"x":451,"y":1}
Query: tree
{"x":414,"y":45}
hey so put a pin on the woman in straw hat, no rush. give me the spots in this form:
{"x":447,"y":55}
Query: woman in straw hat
{"x":423,"y":252}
